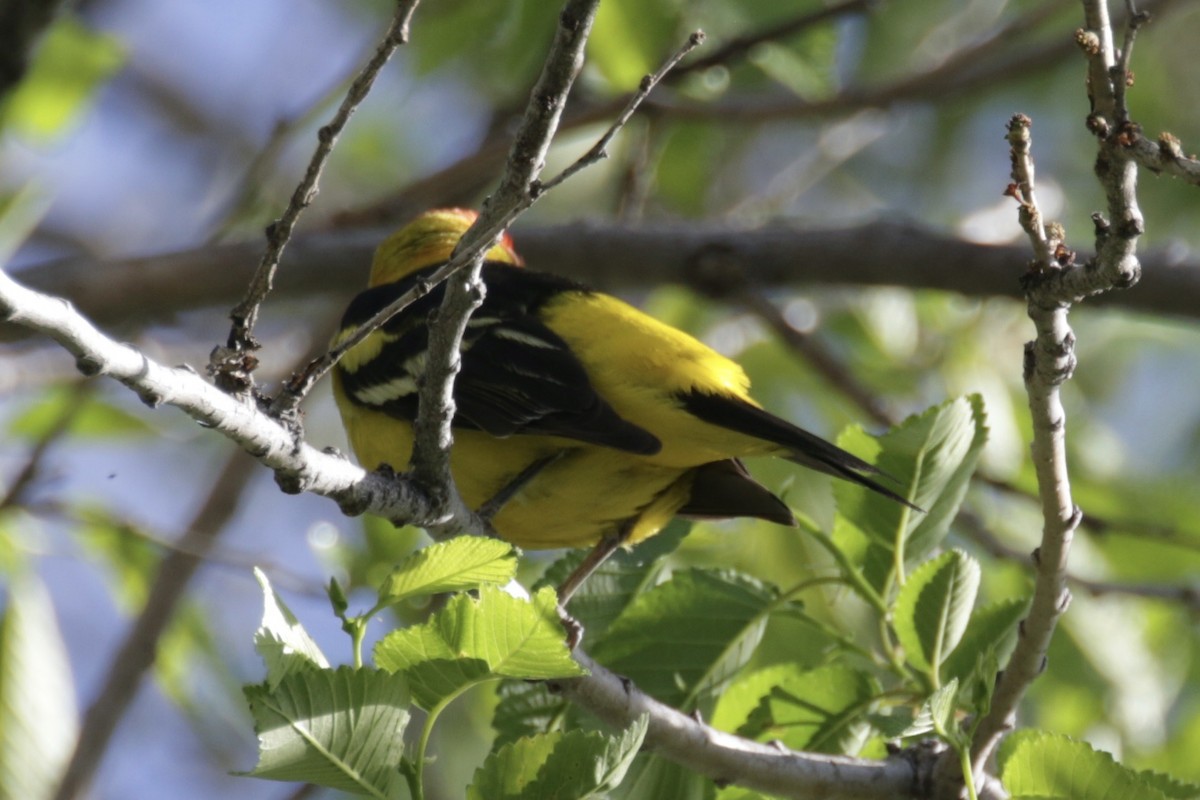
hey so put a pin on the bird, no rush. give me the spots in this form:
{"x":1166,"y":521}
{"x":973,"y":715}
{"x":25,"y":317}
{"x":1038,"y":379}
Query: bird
{"x":579,"y":419}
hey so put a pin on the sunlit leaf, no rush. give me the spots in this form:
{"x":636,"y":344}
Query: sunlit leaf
{"x":37,"y":693}
{"x":281,"y":640}
{"x":71,"y":63}
{"x":1036,"y":764}
{"x":339,"y":728}
{"x":475,"y":639}
{"x":927,"y":459}
{"x":933,"y":608}
{"x":456,"y":565}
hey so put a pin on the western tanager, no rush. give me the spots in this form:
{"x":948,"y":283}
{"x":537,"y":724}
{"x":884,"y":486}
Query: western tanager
{"x":636,"y":422}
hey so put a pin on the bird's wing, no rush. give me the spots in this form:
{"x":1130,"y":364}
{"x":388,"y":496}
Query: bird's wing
{"x":517,"y":375}
{"x":804,"y":448}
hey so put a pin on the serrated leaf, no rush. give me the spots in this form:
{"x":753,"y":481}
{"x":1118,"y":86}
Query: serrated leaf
{"x":745,"y":693}
{"x":477,"y":639}
{"x":608,"y":592}
{"x":575,"y":764}
{"x":652,"y":776}
{"x":525,"y":708}
{"x":281,"y":640}
{"x":456,"y":565}
{"x":933,"y":607}
{"x":1173,"y":788}
{"x":37,"y":696}
{"x":899,"y":722}
{"x":821,"y":710}
{"x":931,"y":457}
{"x":941,"y":707}
{"x":989,"y":638}
{"x":683,"y":640}
{"x":338,"y":728}
{"x":1038,"y":764}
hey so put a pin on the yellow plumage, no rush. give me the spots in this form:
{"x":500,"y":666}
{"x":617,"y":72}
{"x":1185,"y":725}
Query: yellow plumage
{"x":645,"y":421}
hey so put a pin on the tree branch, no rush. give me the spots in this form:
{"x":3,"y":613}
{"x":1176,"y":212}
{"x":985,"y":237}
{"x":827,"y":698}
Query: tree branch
{"x":128,"y":293}
{"x":730,"y":759}
{"x":297,"y":466}
{"x":1053,"y":285}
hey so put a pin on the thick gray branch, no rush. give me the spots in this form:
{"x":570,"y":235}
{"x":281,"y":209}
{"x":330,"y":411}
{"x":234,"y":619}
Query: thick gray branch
{"x":131,"y":292}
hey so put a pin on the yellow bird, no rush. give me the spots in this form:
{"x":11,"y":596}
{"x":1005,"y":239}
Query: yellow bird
{"x":602,"y":422}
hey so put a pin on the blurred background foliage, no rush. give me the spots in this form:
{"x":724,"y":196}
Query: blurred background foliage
{"x":143,"y":127}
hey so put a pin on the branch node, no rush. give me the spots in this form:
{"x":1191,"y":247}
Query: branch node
{"x":89,"y":366}
{"x":1088,"y":41}
{"x":1098,"y":125}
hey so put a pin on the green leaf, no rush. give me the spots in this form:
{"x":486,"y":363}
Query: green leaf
{"x":90,"y":417}
{"x":745,"y":693}
{"x":630,"y":38}
{"x":820,"y":710}
{"x":1036,"y":764}
{"x":988,"y":639}
{"x":652,"y":776}
{"x":71,"y":63}
{"x":525,"y":708}
{"x":933,"y":608}
{"x":683,"y":640}
{"x":626,"y":574}
{"x":931,"y":457}
{"x":472,"y":640}
{"x":576,"y":764}
{"x":37,"y":698}
{"x":338,"y":728}
{"x":20,"y":213}
{"x":899,"y":722}
{"x":127,"y":553}
{"x":1169,"y":786}
{"x":936,"y":715}
{"x":281,"y":640}
{"x":941,"y":708}
{"x":456,"y":565}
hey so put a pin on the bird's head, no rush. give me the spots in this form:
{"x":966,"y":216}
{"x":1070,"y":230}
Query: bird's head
{"x":428,"y":240}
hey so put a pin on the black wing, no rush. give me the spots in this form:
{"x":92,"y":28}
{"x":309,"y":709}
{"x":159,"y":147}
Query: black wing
{"x":517,"y":377}
{"x":806,"y":449}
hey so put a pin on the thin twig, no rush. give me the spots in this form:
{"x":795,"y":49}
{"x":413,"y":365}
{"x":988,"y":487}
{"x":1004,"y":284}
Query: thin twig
{"x":137,"y":652}
{"x":232,"y":365}
{"x":599,"y":151}
{"x":249,"y":187}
